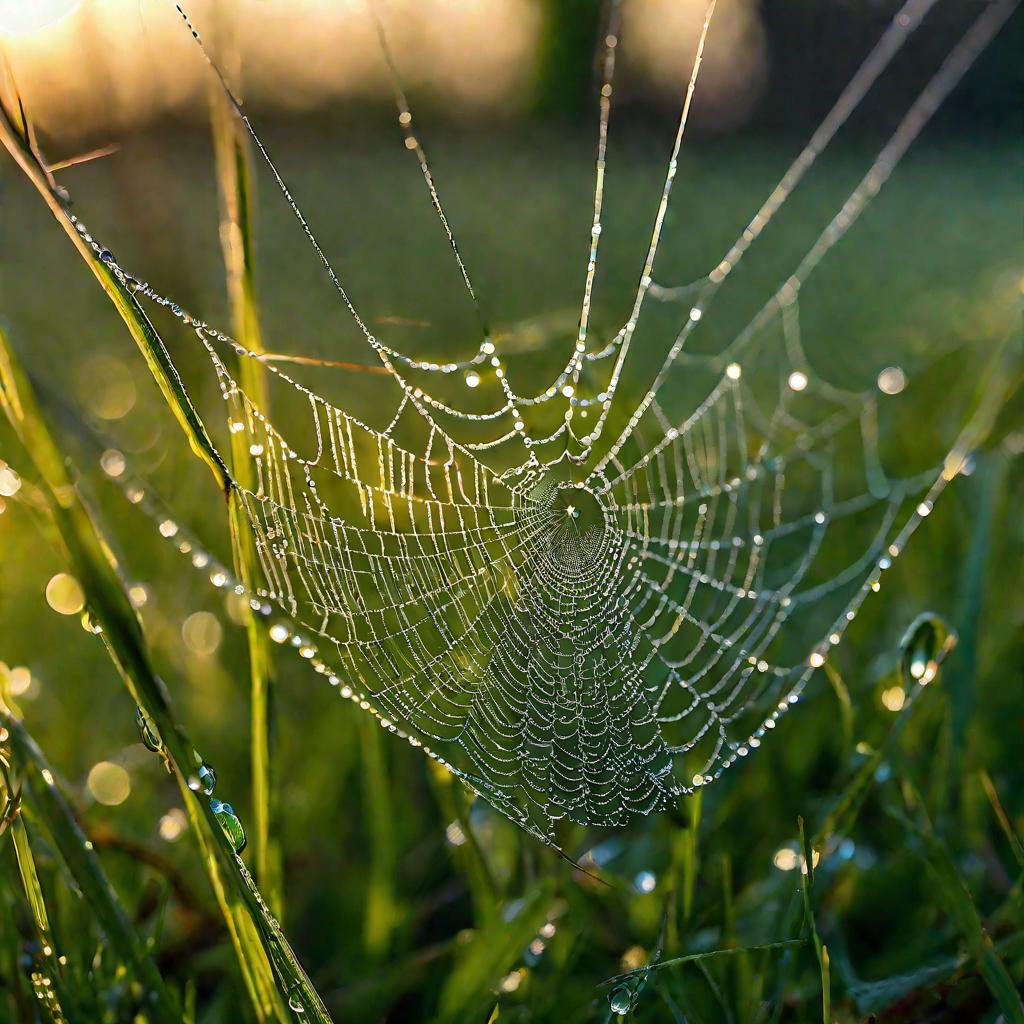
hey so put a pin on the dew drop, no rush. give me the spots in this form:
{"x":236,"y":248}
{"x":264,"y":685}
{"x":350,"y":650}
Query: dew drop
{"x":621,"y":1000}
{"x":925,"y":644}
{"x":207,"y":779}
{"x":147,"y":731}
{"x":90,"y":624}
{"x":230,"y":823}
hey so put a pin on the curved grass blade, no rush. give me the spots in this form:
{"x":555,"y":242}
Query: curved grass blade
{"x":262,"y":950}
{"x":17,"y":138}
{"x":709,"y":954}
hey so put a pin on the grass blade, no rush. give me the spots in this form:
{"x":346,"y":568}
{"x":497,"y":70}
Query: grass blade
{"x":488,"y":956}
{"x":821,"y":951}
{"x":47,"y":976}
{"x":382,"y":913}
{"x":46,"y":980}
{"x":1003,"y":818}
{"x":455,"y":804}
{"x":17,"y":138}
{"x":960,"y":907}
{"x":261,"y":948}
{"x":85,"y":868}
{"x":235,"y":190}
{"x":707,"y":955}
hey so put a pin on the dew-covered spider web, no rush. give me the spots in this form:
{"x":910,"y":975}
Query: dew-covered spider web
{"x":584,"y":620}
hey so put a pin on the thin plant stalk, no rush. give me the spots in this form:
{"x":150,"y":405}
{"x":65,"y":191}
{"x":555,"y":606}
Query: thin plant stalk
{"x":49,"y":983}
{"x":235,"y":188}
{"x":381,"y":912}
{"x":820,"y":949}
{"x":263,"y":952}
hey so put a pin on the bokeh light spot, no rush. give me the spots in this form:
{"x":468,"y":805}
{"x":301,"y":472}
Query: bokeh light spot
{"x":106,"y":385}
{"x":109,"y":783}
{"x":64,"y":594}
{"x":202,"y":633}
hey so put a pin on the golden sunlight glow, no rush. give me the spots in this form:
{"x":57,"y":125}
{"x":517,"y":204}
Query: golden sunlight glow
{"x":116,"y":64}
{"x":104,"y":67}
{"x":633,"y":958}
{"x":659,"y":38}
{"x":106,"y":384}
{"x":20,"y":17}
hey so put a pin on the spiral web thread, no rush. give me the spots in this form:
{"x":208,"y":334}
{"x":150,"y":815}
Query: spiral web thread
{"x":587,"y":631}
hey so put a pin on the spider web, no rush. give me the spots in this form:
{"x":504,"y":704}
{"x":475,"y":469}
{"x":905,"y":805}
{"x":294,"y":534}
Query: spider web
{"x":578,"y":625}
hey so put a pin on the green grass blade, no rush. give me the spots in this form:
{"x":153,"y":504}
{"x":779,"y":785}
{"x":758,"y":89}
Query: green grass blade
{"x":17,"y":139}
{"x":687,"y":850}
{"x":235,"y":190}
{"x":842,"y":695}
{"x":820,"y":950}
{"x":455,"y":802}
{"x":261,"y":948}
{"x":961,"y":908}
{"x":488,"y":956}
{"x":29,"y":876}
{"x":381,"y":914}
{"x":959,"y":903}
{"x":960,"y":684}
{"x":84,"y":866}
{"x":710,"y":954}
{"x":47,"y":980}
{"x":1003,"y":818}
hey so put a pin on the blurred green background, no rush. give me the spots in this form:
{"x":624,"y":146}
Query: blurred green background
{"x":384,"y":899}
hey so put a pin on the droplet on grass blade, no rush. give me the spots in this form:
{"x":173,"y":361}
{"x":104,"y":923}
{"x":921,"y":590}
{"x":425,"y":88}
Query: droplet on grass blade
{"x":90,"y":624}
{"x":231,"y":824}
{"x":147,"y":731}
{"x":620,"y":1000}
{"x":207,"y":778}
{"x":925,"y":645}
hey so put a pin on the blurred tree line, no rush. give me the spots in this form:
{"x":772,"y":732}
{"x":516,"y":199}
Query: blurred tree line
{"x":813,"y":48}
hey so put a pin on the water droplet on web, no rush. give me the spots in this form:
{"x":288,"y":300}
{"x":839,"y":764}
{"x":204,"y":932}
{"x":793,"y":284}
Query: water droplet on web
{"x":147,"y":731}
{"x":230,"y":823}
{"x":621,"y":1000}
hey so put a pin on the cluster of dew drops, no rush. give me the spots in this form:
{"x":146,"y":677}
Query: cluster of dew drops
{"x":202,"y":780}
